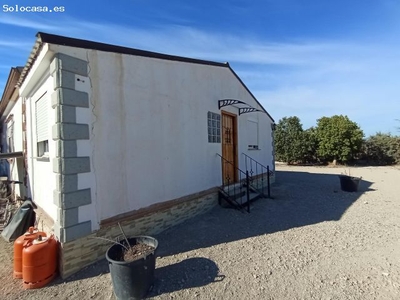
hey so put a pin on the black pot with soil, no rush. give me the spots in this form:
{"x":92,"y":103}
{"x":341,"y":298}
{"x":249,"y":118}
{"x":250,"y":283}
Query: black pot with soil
{"x":132,"y":268}
{"x":349,"y":183}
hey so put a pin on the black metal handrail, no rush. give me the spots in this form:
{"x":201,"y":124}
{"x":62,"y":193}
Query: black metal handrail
{"x":253,"y":167}
{"x":235,"y":192}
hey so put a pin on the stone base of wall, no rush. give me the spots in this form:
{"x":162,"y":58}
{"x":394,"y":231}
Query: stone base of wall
{"x":44,"y":221}
{"x":82,"y":252}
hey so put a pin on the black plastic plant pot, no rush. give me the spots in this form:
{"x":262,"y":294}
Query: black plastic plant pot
{"x":349,"y":183}
{"x":132,"y":280}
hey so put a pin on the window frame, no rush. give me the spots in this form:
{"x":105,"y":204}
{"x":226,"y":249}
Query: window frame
{"x":214,"y":127}
{"x":42,"y":145}
{"x":255,"y":146}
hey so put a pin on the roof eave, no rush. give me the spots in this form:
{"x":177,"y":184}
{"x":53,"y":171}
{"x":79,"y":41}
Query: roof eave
{"x":85,"y":44}
{"x":42,"y":38}
{"x":10,"y":90}
{"x":31,"y":59}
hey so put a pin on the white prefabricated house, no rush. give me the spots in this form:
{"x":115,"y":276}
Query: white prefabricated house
{"x":110,"y":134}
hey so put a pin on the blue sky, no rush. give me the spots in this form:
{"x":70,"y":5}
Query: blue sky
{"x":304,"y":58}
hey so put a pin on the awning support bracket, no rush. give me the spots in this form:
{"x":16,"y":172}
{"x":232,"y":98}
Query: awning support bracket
{"x":242,"y":110}
{"x":227,"y":102}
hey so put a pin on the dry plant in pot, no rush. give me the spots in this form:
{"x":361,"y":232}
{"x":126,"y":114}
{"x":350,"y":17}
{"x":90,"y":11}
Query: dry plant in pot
{"x":132,"y":263}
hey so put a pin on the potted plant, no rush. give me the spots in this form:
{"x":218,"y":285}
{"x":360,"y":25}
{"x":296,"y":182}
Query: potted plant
{"x":132,"y":263}
{"x":349,"y":183}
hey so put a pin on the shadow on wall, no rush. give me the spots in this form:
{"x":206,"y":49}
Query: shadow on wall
{"x":300,"y":199}
{"x":189,"y":273}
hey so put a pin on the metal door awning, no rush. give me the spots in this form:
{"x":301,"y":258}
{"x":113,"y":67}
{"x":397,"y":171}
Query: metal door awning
{"x":242,"y":106}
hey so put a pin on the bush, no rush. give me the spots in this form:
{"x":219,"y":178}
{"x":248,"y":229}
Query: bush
{"x":381,"y":149}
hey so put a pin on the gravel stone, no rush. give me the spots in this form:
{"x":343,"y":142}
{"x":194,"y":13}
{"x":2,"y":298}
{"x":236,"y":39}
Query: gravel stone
{"x":311,"y":241}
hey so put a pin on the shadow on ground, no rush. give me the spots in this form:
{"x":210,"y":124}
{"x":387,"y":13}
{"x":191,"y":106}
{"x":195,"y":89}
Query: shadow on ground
{"x":94,"y":270}
{"x":189,"y":273}
{"x":299,"y":199}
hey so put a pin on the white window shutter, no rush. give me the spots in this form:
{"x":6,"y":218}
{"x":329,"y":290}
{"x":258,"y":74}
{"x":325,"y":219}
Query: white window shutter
{"x":42,"y":122}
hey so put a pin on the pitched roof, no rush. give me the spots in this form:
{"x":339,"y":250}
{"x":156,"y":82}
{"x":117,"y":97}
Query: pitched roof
{"x":42,"y":38}
{"x":9,"y":88}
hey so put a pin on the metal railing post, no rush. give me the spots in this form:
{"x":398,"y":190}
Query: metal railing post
{"x":229,"y":185}
{"x":262,"y":179}
{"x":248,"y":190}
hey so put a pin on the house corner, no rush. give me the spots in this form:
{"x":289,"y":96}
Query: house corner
{"x":67,"y":164}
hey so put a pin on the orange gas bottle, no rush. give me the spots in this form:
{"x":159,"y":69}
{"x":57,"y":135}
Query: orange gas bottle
{"x":39,"y":262}
{"x":30,"y":235}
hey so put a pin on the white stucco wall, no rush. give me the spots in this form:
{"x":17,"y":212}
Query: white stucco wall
{"x":148,"y":126}
{"x":148,"y":130}
{"x":41,"y":179}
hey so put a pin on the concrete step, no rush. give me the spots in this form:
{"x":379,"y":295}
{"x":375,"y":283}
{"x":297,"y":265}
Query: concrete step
{"x":235,"y":186}
{"x":252,"y":197}
{"x":261,"y":191}
{"x":239,"y":195}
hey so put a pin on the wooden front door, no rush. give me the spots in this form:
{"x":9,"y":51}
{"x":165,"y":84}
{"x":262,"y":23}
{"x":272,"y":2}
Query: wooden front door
{"x":229,"y":148}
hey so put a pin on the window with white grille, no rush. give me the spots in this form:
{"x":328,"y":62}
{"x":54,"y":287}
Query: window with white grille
{"x":214,"y":127}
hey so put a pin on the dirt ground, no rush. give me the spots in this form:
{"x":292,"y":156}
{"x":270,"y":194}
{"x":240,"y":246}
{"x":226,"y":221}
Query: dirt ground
{"x":312,"y":241}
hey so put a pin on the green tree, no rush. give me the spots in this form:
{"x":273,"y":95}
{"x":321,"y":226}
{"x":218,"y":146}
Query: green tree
{"x":288,"y":140}
{"x":309,"y":145}
{"x":339,"y":138}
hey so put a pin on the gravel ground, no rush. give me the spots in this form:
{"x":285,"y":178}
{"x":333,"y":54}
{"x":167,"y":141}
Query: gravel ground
{"x":312,"y":241}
